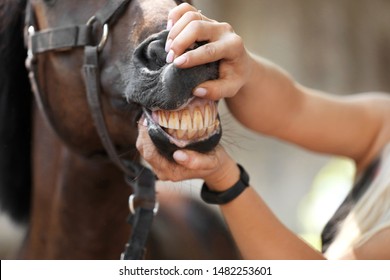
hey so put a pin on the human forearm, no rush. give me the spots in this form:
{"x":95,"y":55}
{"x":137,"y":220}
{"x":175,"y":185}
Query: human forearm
{"x":256,"y":230}
{"x":349,"y":126}
{"x":273,"y":104}
{"x":267,"y":99}
{"x":259,"y":234}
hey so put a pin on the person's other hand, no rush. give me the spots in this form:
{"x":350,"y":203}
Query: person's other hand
{"x":216,"y":168}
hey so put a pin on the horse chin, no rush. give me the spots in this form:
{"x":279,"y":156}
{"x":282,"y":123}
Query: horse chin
{"x":195,"y":126}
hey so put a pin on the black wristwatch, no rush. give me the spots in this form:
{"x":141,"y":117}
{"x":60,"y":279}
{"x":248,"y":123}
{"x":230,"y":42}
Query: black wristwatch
{"x":226,"y":196}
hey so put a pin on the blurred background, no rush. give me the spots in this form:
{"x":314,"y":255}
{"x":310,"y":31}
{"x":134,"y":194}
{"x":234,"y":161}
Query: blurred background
{"x":338,"y":46}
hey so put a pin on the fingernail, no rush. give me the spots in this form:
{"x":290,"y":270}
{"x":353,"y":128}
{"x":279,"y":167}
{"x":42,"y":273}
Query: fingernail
{"x":180,"y":60}
{"x":168,"y":45}
{"x":180,"y":156}
{"x":200,"y":92}
{"x":145,"y":122}
{"x":169,"y":24}
{"x":170,"y":56}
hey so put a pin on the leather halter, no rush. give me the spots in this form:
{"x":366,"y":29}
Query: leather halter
{"x":142,"y":203}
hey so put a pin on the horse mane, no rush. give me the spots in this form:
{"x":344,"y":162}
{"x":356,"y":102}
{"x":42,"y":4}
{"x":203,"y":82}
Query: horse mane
{"x":15,"y":114}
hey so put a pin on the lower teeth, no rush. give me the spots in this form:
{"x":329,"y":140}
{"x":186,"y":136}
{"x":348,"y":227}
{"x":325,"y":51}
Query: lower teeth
{"x":192,"y":133}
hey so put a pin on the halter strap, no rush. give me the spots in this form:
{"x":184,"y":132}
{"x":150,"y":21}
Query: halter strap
{"x":65,"y":38}
{"x":142,"y":203}
{"x":92,"y":84}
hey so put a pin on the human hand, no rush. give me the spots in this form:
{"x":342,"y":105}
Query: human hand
{"x":187,"y":26}
{"x":216,"y":168}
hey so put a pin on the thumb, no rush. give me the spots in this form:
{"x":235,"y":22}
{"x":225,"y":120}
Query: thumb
{"x":217,"y":89}
{"x":181,"y":157}
{"x":194,"y":160}
{"x":199,"y":161}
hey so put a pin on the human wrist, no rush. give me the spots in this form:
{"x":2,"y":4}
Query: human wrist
{"x":228,"y":195}
{"x":227,"y":175}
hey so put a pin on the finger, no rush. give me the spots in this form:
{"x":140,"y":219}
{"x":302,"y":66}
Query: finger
{"x":176,"y":13}
{"x":142,"y":134}
{"x":188,"y":19}
{"x":185,"y":19}
{"x":223,"y":43}
{"x":142,"y":128}
{"x":196,"y":31}
{"x":217,"y":89}
{"x":185,"y":14}
{"x":145,"y":145}
{"x":207,"y":53}
{"x":196,"y":161}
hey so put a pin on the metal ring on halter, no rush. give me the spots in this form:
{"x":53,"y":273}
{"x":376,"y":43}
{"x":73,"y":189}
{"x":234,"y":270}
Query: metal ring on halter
{"x":132,"y":208}
{"x":104,"y":37}
{"x":30,"y":54}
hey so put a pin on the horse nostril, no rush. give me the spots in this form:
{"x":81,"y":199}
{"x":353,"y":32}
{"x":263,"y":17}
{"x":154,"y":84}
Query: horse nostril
{"x":151,"y":53}
{"x":155,"y":53}
{"x":159,"y":85}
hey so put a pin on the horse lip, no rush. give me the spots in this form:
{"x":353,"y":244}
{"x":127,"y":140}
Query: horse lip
{"x":181,"y":107}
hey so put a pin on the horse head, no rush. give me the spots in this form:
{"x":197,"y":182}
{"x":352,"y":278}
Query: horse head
{"x":97,"y":67}
{"x":133,"y":77}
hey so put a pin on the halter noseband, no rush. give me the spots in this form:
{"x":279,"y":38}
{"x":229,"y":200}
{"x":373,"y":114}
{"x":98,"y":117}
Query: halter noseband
{"x":142,"y":203}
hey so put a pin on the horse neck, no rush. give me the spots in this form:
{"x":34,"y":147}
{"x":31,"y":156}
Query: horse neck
{"x":79,"y":205}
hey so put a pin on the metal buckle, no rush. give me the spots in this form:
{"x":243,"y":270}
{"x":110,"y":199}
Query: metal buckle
{"x":103,"y":39}
{"x":132,"y":208}
{"x":122,"y":256}
{"x":30,"y":55}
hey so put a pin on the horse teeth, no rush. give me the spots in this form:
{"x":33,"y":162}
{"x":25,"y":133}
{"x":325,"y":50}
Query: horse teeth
{"x":162,"y":119}
{"x":189,"y":124}
{"x":201,"y":132}
{"x":207,"y":116}
{"x":181,"y":133}
{"x":186,"y":122}
{"x":212,"y":127}
{"x":198,"y":119}
{"x":171,"y":131}
{"x":191,"y":133}
{"x":173,"y":121}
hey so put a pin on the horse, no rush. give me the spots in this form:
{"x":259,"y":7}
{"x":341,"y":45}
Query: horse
{"x":68,"y":128}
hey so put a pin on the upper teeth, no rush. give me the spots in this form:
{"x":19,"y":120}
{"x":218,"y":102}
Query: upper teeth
{"x":185,"y":120}
{"x":188,"y":123}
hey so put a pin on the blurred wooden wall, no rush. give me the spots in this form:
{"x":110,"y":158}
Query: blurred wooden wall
{"x":337,"y":45}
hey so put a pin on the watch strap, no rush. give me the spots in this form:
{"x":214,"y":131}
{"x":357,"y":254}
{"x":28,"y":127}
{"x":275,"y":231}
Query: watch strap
{"x":231,"y":193}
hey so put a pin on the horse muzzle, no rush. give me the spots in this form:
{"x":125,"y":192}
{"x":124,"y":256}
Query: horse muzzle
{"x":175,"y":118}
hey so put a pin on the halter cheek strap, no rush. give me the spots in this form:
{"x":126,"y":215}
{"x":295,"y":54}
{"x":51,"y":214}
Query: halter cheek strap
{"x":142,"y":203}
{"x":143,"y":213}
